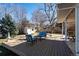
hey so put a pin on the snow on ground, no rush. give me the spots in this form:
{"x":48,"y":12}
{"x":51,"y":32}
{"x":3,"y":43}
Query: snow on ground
{"x":15,"y":41}
{"x":59,"y":37}
{"x":20,"y":39}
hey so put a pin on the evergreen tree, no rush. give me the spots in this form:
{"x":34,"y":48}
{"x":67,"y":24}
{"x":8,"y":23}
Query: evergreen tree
{"x":8,"y":24}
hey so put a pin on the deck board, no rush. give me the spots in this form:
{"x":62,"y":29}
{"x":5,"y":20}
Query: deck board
{"x":45,"y":48}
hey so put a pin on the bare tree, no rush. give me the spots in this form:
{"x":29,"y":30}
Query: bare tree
{"x":20,"y":12}
{"x":39,"y":18}
{"x":50,"y":10}
{"x":21,"y":16}
{"x":5,"y":10}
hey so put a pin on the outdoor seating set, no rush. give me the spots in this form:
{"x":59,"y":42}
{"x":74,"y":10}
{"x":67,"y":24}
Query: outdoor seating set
{"x":32,"y":39}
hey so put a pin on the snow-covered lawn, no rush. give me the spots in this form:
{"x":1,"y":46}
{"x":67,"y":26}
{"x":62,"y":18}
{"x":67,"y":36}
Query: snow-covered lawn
{"x":20,"y":39}
{"x":55,"y":37}
{"x":15,"y":41}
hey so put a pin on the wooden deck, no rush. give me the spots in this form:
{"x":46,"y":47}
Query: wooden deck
{"x":44,"y":48}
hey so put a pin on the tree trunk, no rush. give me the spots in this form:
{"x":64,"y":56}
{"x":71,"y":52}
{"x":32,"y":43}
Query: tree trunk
{"x":9,"y":35}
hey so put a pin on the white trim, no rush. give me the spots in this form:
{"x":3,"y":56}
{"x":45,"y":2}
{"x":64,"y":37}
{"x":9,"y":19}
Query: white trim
{"x":62,"y":28}
{"x":65,"y":29}
{"x":65,"y":8}
{"x":68,"y":13}
{"x":76,"y":15}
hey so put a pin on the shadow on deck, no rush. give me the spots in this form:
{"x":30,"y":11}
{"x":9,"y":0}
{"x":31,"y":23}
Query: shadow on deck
{"x":44,"y":48}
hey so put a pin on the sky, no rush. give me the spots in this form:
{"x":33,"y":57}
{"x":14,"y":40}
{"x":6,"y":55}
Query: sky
{"x":29,"y":7}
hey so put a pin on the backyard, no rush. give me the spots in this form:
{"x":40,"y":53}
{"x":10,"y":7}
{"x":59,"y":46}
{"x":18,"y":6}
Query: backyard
{"x":46,"y":29}
{"x":49,"y":47}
